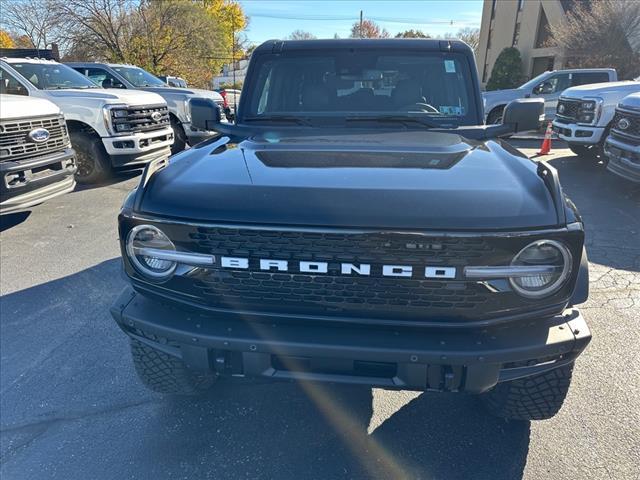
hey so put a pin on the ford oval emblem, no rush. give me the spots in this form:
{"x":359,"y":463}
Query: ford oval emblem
{"x":39,"y":135}
{"x":624,"y":123}
{"x":156,"y":116}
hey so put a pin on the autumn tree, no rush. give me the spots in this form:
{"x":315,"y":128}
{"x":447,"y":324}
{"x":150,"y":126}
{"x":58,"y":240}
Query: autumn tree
{"x":175,"y":37}
{"x":300,"y":35}
{"x":368,"y":29}
{"x":37,"y":20}
{"x":605,"y":33}
{"x":413,"y":34}
{"x":5,"y":40}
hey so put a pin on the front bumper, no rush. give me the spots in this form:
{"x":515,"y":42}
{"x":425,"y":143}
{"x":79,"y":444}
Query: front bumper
{"x":139,"y":144}
{"x":29,"y":182}
{"x":581,"y":134}
{"x":445,"y":360}
{"x":624,"y":159}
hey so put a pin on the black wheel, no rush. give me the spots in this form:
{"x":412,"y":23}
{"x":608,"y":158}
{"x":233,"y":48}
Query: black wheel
{"x":495,"y":116}
{"x":532,"y":398}
{"x":179,"y":137}
{"x":164,"y":373}
{"x":94,"y":165}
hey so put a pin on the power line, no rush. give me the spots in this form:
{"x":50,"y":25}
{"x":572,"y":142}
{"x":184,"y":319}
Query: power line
{"x":312,"y":17}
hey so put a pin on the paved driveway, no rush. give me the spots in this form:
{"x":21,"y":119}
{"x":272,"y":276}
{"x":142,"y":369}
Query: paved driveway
{"x":72,"y":408}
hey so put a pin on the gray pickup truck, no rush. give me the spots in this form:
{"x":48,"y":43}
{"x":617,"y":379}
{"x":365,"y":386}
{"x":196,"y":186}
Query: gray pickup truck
{"x":547,"y":85}
{"x":622,"y":147}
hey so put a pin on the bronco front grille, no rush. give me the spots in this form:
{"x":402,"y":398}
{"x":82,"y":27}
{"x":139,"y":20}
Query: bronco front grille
{"x":416,"y":298}
{"x":141,"y":118}
{"x":16,"y":144}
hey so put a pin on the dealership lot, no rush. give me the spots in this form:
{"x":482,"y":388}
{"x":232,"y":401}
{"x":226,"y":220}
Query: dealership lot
{"x":72,"y":407}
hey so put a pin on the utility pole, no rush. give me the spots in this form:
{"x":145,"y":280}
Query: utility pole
{"x":360,"y":29}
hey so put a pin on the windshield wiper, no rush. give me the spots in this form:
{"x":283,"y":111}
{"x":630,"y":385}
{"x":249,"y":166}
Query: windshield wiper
{"x":279,"y":118}
{"x":392,"y":119}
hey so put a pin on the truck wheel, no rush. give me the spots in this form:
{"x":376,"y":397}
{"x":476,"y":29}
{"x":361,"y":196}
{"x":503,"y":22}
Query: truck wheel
{"x":495,"y":116}
{"x":92,"y":160}
{"x":532,"y":398}
{"x":165,"y":373}
{"x":179,"y":137}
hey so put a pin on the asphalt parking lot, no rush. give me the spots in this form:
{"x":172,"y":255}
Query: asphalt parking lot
{"x":72,"y":408}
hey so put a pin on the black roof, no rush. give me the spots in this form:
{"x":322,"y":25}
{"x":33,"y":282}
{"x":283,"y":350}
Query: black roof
{"x":424,"y":44}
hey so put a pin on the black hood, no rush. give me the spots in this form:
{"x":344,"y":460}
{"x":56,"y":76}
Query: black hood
{"x":403,"y":180}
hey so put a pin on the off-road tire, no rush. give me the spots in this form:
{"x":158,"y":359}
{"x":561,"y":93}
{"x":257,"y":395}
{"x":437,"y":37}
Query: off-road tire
{"x":94,"y":165}
{"x":532,"y":398}
{"x":179,"y":137}
{"x":167,"y":374}
{"x":495,"y":116}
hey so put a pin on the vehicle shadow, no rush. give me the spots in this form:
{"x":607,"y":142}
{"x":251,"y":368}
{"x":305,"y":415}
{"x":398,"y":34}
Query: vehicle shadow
{"x":318,"y":431}
{"x":11,"y":220}
{"x":118,"y":176}
{"x":71,"y":404}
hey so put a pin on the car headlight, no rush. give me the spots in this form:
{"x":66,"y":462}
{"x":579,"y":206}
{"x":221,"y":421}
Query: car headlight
{"x":554,"y":260}
{"x":155,"y":257}
{"x":115,"y":119}
{"x":145,"y":247}
{"x":590,"y":110}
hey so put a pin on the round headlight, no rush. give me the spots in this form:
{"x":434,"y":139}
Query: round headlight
{"x":141,"y":243}
{"x":544,"y":253}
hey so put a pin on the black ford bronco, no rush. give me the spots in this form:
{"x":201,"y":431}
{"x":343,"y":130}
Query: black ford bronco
{"x":358,"y":224}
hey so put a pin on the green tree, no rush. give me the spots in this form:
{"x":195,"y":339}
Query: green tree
{"x":412,"y":34}
{"x":507,"y":71}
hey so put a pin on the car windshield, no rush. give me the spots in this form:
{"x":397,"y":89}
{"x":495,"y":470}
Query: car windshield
{"x":434,"y":87}
{"x":534,"y":81}
{"x":52,"y":76}
{"x":139,"y":77}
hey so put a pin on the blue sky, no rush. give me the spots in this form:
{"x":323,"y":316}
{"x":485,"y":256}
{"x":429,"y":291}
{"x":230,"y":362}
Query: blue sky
{"x":277,"y":19}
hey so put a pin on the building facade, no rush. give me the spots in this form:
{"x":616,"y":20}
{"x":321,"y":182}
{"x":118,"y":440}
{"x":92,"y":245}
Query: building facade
{"x":231,"y":73}
{"x":523,"y":24}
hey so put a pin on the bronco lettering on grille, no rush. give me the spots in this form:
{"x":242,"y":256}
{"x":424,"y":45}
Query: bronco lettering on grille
{"x":363,"y":269}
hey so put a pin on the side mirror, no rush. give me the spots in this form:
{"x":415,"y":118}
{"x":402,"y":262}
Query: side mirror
{"x":205,"y":114}
{"x":524,"y":114}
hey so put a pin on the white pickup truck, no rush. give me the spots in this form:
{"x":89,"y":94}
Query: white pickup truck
{"x":623,"y":144}
{"x":36,"y":159}
{"x":108,"y":128}
{"x":584,"y":115}
{"x":548,"y":86}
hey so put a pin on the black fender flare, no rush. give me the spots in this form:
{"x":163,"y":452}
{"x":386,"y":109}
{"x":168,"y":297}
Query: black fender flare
{"x":581,"y":290}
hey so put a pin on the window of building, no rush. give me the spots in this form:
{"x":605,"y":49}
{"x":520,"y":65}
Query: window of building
{"x":484,"y":72}
{"x":520,"y":4}
{"x":516,"y":35}
{"x":543,"y":35}
{"x":494,"y":4}
{"x":489,"y":40}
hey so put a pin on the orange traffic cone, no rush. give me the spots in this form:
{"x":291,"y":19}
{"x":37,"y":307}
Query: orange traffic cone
{"x":545,"y":149}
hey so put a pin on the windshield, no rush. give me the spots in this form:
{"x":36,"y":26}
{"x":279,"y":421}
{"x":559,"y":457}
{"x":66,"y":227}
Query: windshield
{"x":52,"y":76}
{"x":139,"y":77}
{"x":534,"y":81}
{"x":364,"y":83}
